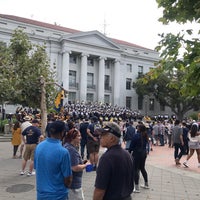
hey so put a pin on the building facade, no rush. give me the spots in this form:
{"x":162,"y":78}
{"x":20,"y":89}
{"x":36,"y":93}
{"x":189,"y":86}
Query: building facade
{"x":89,"y":65}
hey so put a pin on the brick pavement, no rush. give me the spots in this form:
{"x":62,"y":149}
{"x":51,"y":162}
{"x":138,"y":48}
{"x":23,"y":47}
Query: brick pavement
{"x":167,"y":182}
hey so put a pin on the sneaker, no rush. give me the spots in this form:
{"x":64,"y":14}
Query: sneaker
{"x":177,"y":161}
{"x":144,"y":186}
{"x":14,"y":157}
{"x":29,"y":174}
{"x":185,"y":164}
{"x":22,"y":173}
{"x":136,"y":191}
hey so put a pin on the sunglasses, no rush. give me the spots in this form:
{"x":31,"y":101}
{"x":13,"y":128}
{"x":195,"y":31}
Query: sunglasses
{"x":107,"y":129}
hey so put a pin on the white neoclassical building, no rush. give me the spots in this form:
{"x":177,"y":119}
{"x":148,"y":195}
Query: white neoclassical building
{"x":91,"y":66}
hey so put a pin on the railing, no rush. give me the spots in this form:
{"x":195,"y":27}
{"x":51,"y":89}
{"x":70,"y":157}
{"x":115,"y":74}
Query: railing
{"x":91,"y":87}
{"x":108,"y":88}
{"x":74,"y":85}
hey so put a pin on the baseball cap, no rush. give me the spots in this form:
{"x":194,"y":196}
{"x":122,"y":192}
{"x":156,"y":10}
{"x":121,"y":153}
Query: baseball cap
{"x":35,"y":121}
{"x":111,"y":127}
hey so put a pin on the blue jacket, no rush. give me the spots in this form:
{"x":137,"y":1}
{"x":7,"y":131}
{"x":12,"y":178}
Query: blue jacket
{"x":138,"y":144}
{"x":130,"y":132}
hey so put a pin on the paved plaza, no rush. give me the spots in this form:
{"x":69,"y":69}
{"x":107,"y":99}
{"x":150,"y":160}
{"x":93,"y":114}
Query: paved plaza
{"x":167,"y":182}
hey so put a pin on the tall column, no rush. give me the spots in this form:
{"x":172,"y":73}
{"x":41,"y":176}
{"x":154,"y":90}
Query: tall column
{"x":116,"y":92}
{"x":101,"y":79}
{"x":83,"y":78}
{"x":65,"y":71}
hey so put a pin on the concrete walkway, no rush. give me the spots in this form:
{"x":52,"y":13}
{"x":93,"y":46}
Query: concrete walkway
{"x":167,"y":182}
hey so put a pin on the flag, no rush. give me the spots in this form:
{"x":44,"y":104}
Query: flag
{"x":58,"y":102}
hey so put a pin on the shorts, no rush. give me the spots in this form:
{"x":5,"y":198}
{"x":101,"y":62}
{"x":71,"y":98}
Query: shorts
{"x":156,"y":137}
{"x":29,"y":151}
{"x":193,"y":145}
{"x":93,"y":146}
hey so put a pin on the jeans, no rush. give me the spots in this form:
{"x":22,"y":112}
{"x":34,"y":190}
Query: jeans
{"x":162,"y":140}
{"x":178,"y":154}
{"x":83,"y":146}
{"x":139,"y":165}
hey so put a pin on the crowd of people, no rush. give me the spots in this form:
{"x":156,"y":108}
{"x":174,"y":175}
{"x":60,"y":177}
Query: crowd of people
{"x":72,"y":143}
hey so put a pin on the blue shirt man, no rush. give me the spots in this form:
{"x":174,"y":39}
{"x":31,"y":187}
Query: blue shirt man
{"x":53,"y":166}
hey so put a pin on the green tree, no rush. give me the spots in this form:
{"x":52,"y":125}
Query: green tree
{"x":180,"y":11}
{"x":166,"y":90}
{"x":5,"y":80}
{"x":22,"y":63}
{"x":181,"y":51}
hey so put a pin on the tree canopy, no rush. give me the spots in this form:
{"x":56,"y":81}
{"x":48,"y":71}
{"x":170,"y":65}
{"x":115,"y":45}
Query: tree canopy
{"x":181,"y":51}
{"x":166,"y":90}
{"x":21,"y":65}
{"x":180,"y":11}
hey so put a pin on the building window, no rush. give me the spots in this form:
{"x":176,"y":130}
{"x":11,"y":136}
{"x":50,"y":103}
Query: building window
{"x":128,"y":83}
{"x":107,"y":64}
{"x":151,"y":104}
{"x":106,"y":99}
{"x":128,"y":102}
{"x":73,"y":59}
{"x":90,"y":62}
{"x":72,"y":78}
{"x":140,"y":70}
{"x":140,"y":102}
{"x":107,"y":82}
{"x":129,"y":67}
{"x":90,"y":80}
{"x":90,"y":97}
{"x":72,"y":97}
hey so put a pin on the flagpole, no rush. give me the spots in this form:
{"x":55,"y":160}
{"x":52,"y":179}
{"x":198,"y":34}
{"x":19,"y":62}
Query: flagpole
{"x":43,"y":105}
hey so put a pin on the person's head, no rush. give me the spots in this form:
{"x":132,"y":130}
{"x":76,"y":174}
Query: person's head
{"x":194,"y":129}
{"x":16,"y":125}
{"x":130,"y":123}
{"x":35,"y":122}
{"x":27,"y":118}
{"x":177,"y":122}
{"x":94,"y":119}
{"x":110,"y":134}
{"x":184,"y":123}
{"x":73,"y":137}
{"x":142,"y":130}
{"x":57,"y":129}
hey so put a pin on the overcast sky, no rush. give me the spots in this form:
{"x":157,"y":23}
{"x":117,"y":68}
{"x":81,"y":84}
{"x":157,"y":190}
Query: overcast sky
{"x":134,"y":21}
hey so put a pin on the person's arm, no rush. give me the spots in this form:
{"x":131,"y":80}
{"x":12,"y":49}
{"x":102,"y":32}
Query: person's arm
{"x":98,"y":194}
{"x":23,"y":139}
{"x":90,"y":134}
{"x":181,"y":138}
{"x":68,"y":181}
{"x":80,"y":167}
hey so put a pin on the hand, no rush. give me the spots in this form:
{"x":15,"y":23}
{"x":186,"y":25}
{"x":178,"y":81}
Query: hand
{"x":85,"y":161}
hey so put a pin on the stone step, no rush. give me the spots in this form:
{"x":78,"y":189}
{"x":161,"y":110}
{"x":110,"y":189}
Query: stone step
{"x":5,"y":138}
